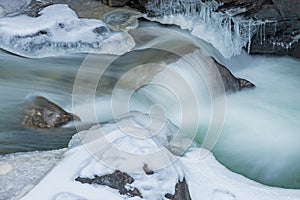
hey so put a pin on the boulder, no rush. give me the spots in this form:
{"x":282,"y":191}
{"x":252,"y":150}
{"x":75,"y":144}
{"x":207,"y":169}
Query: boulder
{"x":232,"y":83}
{"x":42,"y":113}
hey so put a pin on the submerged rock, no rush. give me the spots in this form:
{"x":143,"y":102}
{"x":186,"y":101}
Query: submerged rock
{"x":42,"y":113}
{"x":117,"y":180}
{"x":121,"y":19}
{"x":232,"y":83}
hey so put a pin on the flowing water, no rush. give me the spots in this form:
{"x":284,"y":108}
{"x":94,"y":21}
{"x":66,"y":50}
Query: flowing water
{"x":261,"y":128}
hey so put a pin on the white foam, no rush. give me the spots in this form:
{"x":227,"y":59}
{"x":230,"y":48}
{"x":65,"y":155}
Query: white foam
{"x":54,"y":33}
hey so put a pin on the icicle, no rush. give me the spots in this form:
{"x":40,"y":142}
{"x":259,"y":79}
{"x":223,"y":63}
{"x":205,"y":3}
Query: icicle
{"x":249,"y":37}
{"x":264,"y":32}
{"x":227,"y":33}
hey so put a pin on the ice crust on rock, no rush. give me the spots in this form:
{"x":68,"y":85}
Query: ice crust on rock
{"x":53,"y":33}
{"x":226,"y":31}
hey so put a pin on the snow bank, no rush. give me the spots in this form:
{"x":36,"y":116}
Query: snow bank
{"x":104,"y":149}
{"x":54,"y":33}
{"x":20,"y":172}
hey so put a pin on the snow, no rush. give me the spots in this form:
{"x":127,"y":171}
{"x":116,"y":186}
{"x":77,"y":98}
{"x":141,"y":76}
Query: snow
{"x":20,"y":172}
{"x":12,"y":7}
{"x":53,"y":34}
{"x":213,"y":181}
{"x":206,"y":178}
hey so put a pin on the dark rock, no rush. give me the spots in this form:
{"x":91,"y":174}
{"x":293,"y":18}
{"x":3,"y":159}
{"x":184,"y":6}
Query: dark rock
{"x":35,"y":7}
{"x":282,"y":24}
{"x":181,"y":192}
{"x":232,"y":83}
{"x":115,"y":3}
{"x":42,"y":113}
{"x":139,"y":5}
{"x":116,"y":180}
{"x":277,"y":30}
{"x":147,"y":170}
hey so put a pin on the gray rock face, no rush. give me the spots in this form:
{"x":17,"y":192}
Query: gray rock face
{"x":42,"y":113}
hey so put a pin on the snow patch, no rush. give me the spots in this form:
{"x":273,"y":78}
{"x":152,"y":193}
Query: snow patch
{"x":20,"y":172}
{"x":53,"y":34}
{"x":206,"y":178}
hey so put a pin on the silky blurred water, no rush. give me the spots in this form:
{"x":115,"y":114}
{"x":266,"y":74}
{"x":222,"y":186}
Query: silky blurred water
{"x":22,"y":78}
{"x":261,"y":129}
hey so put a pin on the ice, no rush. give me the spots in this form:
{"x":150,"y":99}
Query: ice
{"x":225,"y":31}
{"x":206,"y":178}
{"x":20,"y":172}
{"x":53,"y":34}
{"x":12,"y":7}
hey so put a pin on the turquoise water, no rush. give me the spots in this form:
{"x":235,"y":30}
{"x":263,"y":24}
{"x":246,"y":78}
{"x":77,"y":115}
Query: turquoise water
{"x":22,"y":78}
{"x":261,"y":128}
{"x":260,"y":138}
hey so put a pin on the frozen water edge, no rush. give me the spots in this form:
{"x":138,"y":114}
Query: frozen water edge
{"x":207,"y":179}
{"x":20,"y":172}
{"x":225,"y":31}
{"x":53,"y":34}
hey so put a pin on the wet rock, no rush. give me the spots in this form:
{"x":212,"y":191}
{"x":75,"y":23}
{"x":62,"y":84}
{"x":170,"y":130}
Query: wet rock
{"x":181,"y":192}
{"x":42,"y":113}
{"x":121,"y":19}
{"x":147,"y":170}
{"x":115,"y":3}
{"x":232,"y":83}
{"x":277,"y":29}
{"x":280,"y":34}
{"x":139,"y":5}
{"x":35,"y":7}
{"x":117,"y":180}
